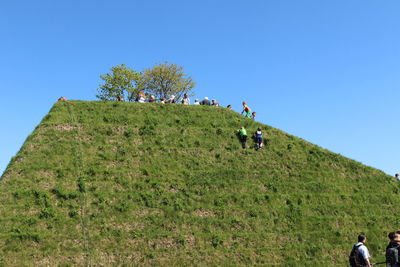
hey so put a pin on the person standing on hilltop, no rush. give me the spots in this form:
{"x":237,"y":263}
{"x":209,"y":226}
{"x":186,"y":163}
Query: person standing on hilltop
{"x":196,"y":102}
{"x":246,"y":110}
{"x":205,"y":102}
{"x":243,"y":136}
{"x":186,"y":99}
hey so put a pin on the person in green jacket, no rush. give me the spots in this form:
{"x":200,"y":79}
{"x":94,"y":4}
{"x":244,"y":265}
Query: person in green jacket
{"x":243,"y":136}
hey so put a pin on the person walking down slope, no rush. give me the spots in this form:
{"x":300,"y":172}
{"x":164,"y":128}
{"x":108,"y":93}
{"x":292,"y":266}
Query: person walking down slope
{"x":246,"y":110}
{"x":253,"y":115}
{"x":392,"y":250}
{"x":258,"y":136}
{"x":359,"y":256}
{"x":186,"y":99}
{"x":205,"y":102}
{"x":243,"y":136}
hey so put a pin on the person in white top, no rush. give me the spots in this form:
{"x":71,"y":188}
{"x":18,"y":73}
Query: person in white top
{"x":141,"y":97}
{"x":171,"y":100}
{"x":363,"y":250}
{"x":196,"y":102}
{"x":186,"y":99}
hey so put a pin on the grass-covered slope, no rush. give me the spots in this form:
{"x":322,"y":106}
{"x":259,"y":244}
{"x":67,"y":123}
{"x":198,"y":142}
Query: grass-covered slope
{"x":150,"y":184}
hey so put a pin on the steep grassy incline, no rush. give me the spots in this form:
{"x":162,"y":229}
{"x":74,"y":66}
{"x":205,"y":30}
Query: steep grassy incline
{"x":100,"y":184}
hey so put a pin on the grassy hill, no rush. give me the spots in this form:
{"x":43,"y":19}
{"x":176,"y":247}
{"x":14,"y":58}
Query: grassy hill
{"x":109,"y":183}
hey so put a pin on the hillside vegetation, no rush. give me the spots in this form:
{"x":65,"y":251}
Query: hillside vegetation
{"x":111,"y":183}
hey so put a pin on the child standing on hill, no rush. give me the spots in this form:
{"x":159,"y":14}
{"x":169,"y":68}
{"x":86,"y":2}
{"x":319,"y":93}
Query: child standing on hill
{"x":243,"y":136}
{"x":246,"y":110}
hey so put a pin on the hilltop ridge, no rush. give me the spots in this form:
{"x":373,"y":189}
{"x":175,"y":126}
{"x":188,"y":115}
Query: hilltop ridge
{"x":115,"y":183}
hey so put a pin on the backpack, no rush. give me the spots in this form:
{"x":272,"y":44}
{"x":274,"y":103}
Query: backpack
{"x":355,"y":258}
{"x":392,"y":254}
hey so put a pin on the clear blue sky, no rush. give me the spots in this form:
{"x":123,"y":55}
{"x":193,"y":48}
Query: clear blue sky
{"x":326,"y":71}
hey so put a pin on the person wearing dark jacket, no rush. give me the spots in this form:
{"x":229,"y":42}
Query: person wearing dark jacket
{"x":258,"y":136}
{"x":392,"y":250}
{"x":205,"y":102}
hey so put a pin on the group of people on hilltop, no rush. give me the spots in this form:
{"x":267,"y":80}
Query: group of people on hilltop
{"x":258,"y":135}
{"x":141,"y":98}
{"x":360,"y":257}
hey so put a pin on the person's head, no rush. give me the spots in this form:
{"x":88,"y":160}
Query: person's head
{"x":253,"y":114}
{"x":396,"y":175}
{"x":259,"y":129}
{"x":172,"y":97}
{"x":196,"y":100}
{"x":362,"y":238}
{"x":152,"y":97}
{"x":185,"y":95}
{"x":205,"y":98}
{"x":244,"y":103}
{"x":229,"y":106}
{"x":213,"y":100}
{"x":391,"y":235}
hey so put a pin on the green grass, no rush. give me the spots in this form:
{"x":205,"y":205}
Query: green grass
{"x":126,"y":184}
